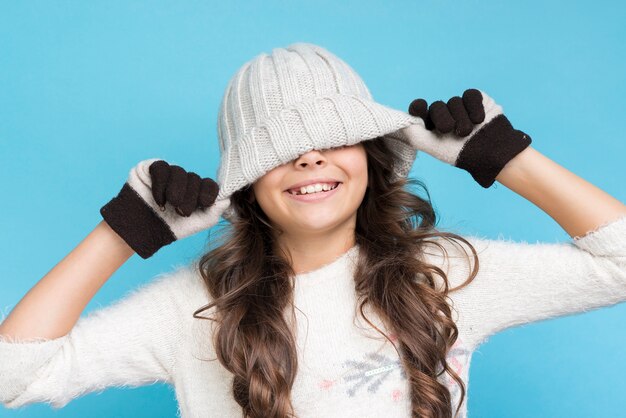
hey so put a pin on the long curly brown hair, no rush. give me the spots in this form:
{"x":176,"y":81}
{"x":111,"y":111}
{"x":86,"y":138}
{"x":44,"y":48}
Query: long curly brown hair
{"x":250,"y":285}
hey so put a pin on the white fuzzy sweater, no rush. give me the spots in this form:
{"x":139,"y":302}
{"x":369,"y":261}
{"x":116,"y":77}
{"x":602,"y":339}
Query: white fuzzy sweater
{"x":346,"y":369}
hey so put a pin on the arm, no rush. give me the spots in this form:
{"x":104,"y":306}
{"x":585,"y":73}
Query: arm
{"x":48,"y":353}
{"x":472,"y":133}
{"x":518,"y":282}
{"x":575,"y":204}
{"x":74,"y":280}
{"x":130,"y":343}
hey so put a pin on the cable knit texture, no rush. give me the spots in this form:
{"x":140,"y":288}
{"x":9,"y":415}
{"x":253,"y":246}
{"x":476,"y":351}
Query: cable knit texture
{"x":346,"y":368}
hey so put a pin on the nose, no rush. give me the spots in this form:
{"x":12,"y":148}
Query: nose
{"x":311,"y":158}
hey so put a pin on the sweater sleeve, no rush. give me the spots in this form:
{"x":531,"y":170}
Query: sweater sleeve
{"x":519,"y":283}
{"x":131,"y":342}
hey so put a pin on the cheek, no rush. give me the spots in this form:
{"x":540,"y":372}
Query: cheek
{"x":261,"y":197}
{"x":357,"y":166}
{"x":266,"y":183}
{"x":358,"y":155}
{"x":266,"y":196}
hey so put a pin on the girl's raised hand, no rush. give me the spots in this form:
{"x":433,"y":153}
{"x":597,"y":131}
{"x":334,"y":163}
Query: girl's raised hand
{"x":186,"y":191}
{"x":468,"y":132}
{"x":161,"y":203}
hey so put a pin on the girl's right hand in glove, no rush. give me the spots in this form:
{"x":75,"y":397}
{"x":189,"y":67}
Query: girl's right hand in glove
{"x":162,"y":203}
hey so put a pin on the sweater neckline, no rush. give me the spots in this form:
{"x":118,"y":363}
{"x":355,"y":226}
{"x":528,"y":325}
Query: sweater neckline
{"x":322,"y":270}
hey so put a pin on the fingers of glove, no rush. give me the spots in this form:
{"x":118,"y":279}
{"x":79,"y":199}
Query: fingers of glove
{"x":160,"y":175}
{"x":419,"y":108}
{"x":208,"y":192}
{"x":177,"y":185}
{"x":190,"y":199}
{"x":473,"y":101}
{"x":441,"y":117}
{"x":464,"y":125}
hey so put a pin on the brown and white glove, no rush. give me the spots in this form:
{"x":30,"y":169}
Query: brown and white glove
{"x":162,"y":203}
{"x":468,"y":132}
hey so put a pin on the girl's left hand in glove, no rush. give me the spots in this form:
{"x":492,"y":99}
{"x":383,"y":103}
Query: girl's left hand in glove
{"x":468,"y":132}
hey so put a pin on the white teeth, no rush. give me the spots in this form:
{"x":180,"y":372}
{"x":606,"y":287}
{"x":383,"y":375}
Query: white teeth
{"x":315,"y":188}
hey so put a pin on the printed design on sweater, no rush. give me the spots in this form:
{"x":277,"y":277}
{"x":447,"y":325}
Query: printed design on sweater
{"x":369,"y":374}
{"x":373,"y":371}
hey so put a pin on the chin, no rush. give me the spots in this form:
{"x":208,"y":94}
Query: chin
{"x":319,"y":223}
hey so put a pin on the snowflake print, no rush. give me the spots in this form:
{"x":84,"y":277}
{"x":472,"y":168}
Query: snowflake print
{"x":371,"y":372}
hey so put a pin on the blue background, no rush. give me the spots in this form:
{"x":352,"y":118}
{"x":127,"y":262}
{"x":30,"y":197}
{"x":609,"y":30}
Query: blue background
{"x":88,"y":89}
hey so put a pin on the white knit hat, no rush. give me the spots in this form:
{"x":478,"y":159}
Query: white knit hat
{"x":302,"y":97}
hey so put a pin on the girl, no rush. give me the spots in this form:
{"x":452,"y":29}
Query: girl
{"x":332,"y":292}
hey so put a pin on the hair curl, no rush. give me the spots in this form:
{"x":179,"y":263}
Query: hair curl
{"x":250,"y":284}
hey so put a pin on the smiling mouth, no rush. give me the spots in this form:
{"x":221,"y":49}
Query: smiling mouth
{"x":297,"y":191}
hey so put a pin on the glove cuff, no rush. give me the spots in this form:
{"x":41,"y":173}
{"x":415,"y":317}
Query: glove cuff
{"x":490,"y":149}
{"x":136,"y":222}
